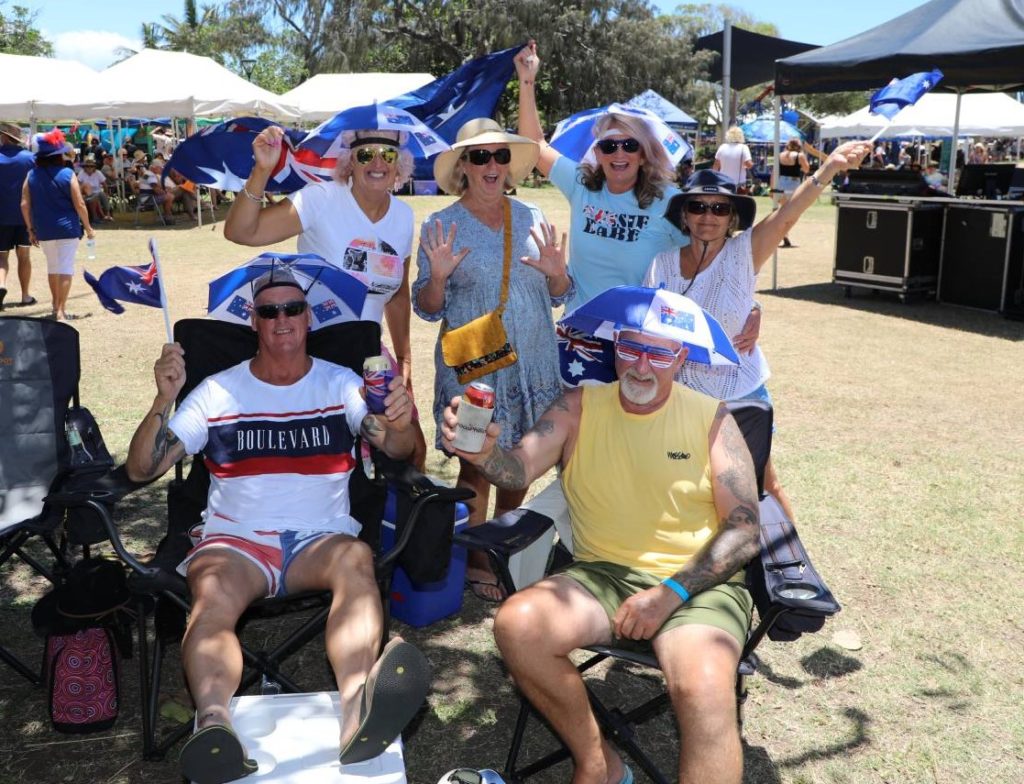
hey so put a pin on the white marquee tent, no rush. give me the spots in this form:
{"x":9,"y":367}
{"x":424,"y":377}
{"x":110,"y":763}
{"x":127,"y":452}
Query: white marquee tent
{"x":152,"y":83}
{"x":981,"y":114}
{"x":324,"y":95}
{"x":32,"y":84}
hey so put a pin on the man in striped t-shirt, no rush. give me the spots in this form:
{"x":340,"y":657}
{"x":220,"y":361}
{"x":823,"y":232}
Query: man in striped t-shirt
{"x":277,"y":434}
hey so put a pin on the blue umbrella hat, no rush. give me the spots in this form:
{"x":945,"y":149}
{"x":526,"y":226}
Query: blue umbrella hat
{"x":334,"y":295}
{"x":657,"y":312}
{"x":575,"y":136}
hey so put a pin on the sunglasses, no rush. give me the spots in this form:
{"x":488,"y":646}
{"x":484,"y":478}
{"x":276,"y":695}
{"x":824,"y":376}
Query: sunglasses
{"x":719,"y":209}
{"x":365,"y":154}
{"x":608,"y":146}
{"x":657,"y":356}
{"x":483,"y":157}
{"x":290,"y":309}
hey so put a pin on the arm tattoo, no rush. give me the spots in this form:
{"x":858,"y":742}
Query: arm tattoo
{"x":164,"y":440}
{"x":737,"y":539}
{"x":504,"y":469}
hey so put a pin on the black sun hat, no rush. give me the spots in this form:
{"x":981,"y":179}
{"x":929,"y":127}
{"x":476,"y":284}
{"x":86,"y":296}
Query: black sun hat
{"x":708,"y":182}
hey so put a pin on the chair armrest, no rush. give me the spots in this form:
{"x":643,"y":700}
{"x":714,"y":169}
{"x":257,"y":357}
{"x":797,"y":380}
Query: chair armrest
{"x":99,"y":491}
{"x":509,"y":534}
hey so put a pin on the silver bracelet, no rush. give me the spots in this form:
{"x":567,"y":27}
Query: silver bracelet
{"x":257,"y":199}
{"x":813,"y":178}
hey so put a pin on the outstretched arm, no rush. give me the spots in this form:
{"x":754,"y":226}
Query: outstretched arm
{"x":527,"y":68}
{"x":548,"y":442}
{"x":769,"y":233}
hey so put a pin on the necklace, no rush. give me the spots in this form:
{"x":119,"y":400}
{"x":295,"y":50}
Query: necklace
{"x":700,"y":264}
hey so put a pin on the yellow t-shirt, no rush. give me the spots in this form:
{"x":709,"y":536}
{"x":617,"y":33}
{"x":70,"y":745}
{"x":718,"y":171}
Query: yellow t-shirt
{"x":639,"y":485}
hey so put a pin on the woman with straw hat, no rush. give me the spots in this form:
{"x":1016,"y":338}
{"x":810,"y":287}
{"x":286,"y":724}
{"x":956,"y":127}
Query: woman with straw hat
{"x":462,"y":261}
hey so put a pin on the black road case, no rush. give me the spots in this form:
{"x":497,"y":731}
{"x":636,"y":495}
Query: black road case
{"x":983,"y":257}
{"x":888,"y":246}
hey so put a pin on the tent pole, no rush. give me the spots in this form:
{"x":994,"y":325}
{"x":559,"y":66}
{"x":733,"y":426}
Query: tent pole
{"x":956,"y":144}
{"x":199,"y":188}
{"x":726,"y":81}
{"x":775,"y":180}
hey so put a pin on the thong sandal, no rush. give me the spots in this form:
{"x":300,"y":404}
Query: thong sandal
{"x":478,"y":586}
{"x":394,"y":690}
{"x":3,"y":293}
{"x":215,"y":755}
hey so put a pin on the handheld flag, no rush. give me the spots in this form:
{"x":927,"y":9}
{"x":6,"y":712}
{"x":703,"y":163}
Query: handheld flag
{"x":470,"y":91}
{"x":139,"y":285}
{"x":900,"y":93}
{"x":221,"y":156}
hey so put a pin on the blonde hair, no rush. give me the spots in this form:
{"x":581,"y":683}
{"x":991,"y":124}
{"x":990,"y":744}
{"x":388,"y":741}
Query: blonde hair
{"x":343,"y":168}
{"x":656,"y":171}
{"x":735,"y":136}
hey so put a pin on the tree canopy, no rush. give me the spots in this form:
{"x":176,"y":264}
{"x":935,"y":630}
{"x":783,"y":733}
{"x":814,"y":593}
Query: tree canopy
{"x":18,"y":34}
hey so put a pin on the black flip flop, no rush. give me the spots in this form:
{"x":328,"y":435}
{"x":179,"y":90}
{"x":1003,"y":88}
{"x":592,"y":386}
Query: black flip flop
{"x":3,"y":293}
{"x":215,"y":755}
{"x":476,"y":585}
{"x":394,"y":690}
{"x":25,"y":303}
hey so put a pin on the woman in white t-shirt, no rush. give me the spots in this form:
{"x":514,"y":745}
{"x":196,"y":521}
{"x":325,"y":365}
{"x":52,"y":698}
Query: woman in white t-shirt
{"x":733,"y":157}
{"x":354,"y":221}
{"x":719,"y":268}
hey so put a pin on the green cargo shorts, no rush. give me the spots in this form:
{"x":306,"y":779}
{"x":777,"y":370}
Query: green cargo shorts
{"x":727,"y":606}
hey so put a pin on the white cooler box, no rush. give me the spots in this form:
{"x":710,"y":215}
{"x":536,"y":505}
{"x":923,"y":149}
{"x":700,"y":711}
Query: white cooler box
{"x":294,"y":738}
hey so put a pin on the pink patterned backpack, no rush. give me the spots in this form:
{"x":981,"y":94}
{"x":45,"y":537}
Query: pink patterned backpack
{"x":82,"y":680}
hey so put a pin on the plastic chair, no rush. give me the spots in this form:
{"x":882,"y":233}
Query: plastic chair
{"x":161,"y":593}
{"x":789,"y":595}
{"x":146,"y":200}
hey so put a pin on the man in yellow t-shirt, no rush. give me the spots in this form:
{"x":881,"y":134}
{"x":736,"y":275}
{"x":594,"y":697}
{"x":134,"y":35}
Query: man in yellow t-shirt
{"x":663,"y":502}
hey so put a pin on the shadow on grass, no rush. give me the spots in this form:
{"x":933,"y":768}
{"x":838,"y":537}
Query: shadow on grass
{"x":858,"y":736}
{"x":886,"y":304}
{"x":829,"y":663}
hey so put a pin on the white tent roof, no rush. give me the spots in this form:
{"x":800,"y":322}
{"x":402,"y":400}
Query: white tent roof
{"x":981,"y":114}
{"x":324,"y":95}
{"x":158,"y":83}
{"x":31,"y":84}
{"x":662,"y":107}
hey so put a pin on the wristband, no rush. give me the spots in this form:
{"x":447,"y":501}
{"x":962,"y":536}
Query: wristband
{"x":257,"y":199}
{"x":677,"y":589}
{"x":814,"y":178}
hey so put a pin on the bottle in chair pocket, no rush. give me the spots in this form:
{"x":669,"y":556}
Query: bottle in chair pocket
{"x":475,"y":413}
{"x":79,"y":454}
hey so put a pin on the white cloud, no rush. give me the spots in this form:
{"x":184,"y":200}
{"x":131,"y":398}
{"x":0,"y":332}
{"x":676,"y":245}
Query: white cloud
{"x":95,"y":48}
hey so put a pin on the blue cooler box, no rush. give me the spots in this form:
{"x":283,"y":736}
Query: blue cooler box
{"x":424,"y":603}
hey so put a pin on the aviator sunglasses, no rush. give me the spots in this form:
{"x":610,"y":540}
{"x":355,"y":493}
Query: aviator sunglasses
{"x":719,"y":209}
{"x":290,"y":309}
{"x":608,"y":146}
{"x":657,"y":356}
{"x":365,"y":154}
{"x":483,"y":157}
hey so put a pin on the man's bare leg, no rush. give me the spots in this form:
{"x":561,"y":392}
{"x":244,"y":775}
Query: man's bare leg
{"x":536,"y":629}
{"x":24,"y":254}
{"x":355,"y":625}
{"x":223,"y":584}
{"x":699,"y":663}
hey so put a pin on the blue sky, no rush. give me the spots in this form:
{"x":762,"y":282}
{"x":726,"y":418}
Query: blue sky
{"x":91,"y":31}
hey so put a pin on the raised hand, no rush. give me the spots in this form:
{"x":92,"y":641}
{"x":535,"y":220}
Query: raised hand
{"x":552,"y":253}
{"x":527,"y":62}
{"x":438,"y":245}
{"x":266,"y":147}
{"x":848,"y":156}
{"x":169,"y":371}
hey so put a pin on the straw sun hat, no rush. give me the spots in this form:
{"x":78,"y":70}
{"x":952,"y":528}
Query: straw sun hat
{"x":477,"y":133}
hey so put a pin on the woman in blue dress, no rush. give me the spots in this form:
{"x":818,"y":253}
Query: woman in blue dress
{"x":460,"y":263}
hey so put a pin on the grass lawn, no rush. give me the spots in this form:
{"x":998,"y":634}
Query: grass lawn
{"x":900,"y":440}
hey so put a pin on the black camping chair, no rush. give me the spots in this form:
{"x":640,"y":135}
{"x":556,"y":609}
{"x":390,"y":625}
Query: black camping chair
{"x":789,"y":595}
{"x":161,"y":593}
{"x":39,"y":374}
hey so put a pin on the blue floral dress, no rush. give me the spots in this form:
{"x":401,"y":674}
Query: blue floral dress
{"x":524,"y":390}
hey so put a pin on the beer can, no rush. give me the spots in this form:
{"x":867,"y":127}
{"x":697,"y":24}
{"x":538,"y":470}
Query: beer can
{"x":479,"y":394}
{"x":377,"y":377}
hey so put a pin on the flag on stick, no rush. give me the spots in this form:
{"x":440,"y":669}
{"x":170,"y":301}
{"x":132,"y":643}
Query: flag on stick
{"x":901,"y":93}
{"x":139,"y":285}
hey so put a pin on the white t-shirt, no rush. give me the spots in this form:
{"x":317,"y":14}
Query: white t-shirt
{"x":277,"y":455}
{"x":732,"y":157}
{"x":94,"y":181}
{"x":725,"y":289}
{"x":334,"y":227}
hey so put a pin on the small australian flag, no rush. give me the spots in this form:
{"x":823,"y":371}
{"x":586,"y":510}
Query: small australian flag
{"x":326,"y":310}
{"x":240,"y":307}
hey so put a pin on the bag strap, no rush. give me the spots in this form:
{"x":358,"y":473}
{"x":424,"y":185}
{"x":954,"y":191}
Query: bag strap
{"x":507,"y":265}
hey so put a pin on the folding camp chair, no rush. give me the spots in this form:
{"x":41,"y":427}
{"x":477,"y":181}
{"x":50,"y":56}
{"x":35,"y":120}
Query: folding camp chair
{"x":161,"y":593}
{"x":789,"y":595}
{"x":39,"y":373}
{"x":146,"y":200}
